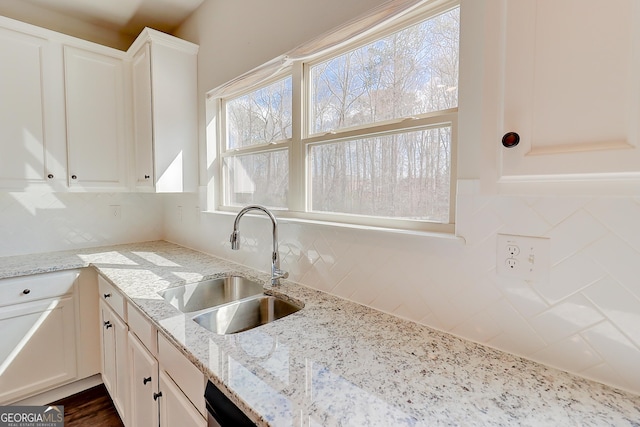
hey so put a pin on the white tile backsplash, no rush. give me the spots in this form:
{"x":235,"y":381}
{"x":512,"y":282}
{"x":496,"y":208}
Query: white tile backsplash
{"x":32,"y":222}
{"x":584,"y":319}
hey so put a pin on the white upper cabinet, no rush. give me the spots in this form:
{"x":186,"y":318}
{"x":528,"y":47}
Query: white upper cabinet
{"x":32,"y":154}
{"x":164,"y":83}
{"x":571,"y":92}
{"x":73,"y":113}
{"x":96,"y":131}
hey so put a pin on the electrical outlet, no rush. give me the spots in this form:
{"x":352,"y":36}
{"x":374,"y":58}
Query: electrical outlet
{"x":523,"y":257}
{"x":115,"y":212}
{"x":513,"y":250}
{"x":179,"y":213}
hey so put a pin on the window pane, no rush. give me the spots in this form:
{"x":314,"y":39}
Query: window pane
{"x":260,"y":117}
{"x":258,"y":178}
{"x":403,"y":175}
{"x":411,"y":72}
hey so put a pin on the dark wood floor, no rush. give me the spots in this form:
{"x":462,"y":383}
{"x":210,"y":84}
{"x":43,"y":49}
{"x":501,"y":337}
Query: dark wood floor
{"x":90,"y":408}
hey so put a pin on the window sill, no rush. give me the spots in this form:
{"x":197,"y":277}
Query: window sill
{"x":366,"y":228}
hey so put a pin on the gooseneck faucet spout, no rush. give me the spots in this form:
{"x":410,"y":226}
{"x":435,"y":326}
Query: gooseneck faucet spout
{"x":276,"y":273}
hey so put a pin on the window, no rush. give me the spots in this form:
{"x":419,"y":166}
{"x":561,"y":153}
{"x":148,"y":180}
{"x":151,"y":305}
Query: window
{"x":365,"y":135}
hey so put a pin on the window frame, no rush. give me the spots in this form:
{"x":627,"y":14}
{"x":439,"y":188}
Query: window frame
{"x":302,"y":140}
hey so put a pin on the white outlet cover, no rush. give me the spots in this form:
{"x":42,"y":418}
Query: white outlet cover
{"x":530,"y":261}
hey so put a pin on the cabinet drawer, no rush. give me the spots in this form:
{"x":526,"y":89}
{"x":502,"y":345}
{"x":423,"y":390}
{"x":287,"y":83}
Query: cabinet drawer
{"x":144,"y":330}
{"x":186,"y":376}
{"x":112,"y":297}
{"x":30,"y":288}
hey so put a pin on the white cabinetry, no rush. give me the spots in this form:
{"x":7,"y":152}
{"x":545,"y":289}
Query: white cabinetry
{"x":164,"y":383}
{"x":72,"y":113}
{"x":96,"y":108}
{"x":564,"y":76}
{"x":114,"y":337}
{"x":144,"y":385}
{"x":150,"y":381}
{"x":182,"y":388}
{"x":175,"y":408}
{"x":32,"y":152}
{"x":37,"y":318}
{"x":164,"y":84}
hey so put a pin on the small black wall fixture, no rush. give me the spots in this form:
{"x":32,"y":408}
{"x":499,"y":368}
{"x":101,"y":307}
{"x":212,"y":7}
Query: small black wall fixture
{"x":510,"y":139}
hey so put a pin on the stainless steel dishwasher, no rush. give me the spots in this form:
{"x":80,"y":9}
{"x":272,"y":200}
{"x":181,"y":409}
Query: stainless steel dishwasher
{"x":222,"y":411}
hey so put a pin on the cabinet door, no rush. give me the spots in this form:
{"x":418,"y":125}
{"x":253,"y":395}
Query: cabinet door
{"x":95,"y":107}
{"x":175,"y":408}
{"x":108,"y":339}
{"x":24,"y":160}
{"x":571,"y":90}
{"x":115,"y":360}
{"x":38,"y":347}
{"x":142,"y":120}
{"x":175,"y":113}
{"x":165,"y":104}
{"x":144,"y":385}
{"x":123,"y":394}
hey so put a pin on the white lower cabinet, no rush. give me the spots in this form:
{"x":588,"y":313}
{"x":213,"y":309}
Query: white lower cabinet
{"x":38,"y":330}
{"x":115,"y":359}
{"x":175,"y":408}
{"x":144,"y":385}
{"x":30,"y":331}
{"x":144,"y":391}
{"x":115,"y":356}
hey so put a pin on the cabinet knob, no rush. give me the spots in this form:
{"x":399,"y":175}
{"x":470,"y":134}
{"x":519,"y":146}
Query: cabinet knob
{"x":107,"y":324}
{"x":26,"y":291}
{"x":147,"y":176}
{"x":510,"y":139}
{"x":107,"y":295}
{"x":157,"y":395}
{"x":50,"y":176}
{"x":74,"y":177}
{"x":146,"y":380}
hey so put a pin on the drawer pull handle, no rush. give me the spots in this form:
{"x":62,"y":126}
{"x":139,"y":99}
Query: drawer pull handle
{"x":146,"y":380}
{"x":147,"y":177}
{"x":157,"y":395}
{"x":107,"y":295}
{"x":50,"y":176}
{"x":107,"y":324}
{"x":26,"y":291}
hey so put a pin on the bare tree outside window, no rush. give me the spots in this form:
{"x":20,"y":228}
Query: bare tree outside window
{"x":402,"y":175}
{"x":376,"y":137}
{"x":260,"y":117}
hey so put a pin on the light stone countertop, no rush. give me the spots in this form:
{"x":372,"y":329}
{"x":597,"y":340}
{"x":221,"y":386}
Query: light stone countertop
{"x":337,"y":363}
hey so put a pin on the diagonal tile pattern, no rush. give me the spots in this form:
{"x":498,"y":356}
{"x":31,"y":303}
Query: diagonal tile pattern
{"x":32,"y":222}
{"x":584,"y":319}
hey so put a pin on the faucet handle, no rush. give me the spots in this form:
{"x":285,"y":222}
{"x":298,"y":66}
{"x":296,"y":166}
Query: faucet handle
{"x":276,"y":275}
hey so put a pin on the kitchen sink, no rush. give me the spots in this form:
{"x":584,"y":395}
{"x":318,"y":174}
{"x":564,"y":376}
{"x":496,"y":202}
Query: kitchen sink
{"x":244,"y":315}
{"x":211,"y":293}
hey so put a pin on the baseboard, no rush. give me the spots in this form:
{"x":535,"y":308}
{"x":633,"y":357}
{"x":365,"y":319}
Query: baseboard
{"x":61,"y":392}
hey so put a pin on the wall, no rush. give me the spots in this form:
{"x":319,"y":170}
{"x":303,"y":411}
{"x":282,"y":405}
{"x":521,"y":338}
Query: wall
{"x":85,"y":29}
{"x":583,"y":319}
{"x":32,"y":222}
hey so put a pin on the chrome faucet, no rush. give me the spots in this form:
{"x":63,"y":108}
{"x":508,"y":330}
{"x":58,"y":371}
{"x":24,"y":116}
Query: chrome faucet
{"x":276,"y":273}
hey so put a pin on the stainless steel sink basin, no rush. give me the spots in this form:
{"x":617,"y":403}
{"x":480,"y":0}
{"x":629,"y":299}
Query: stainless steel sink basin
{"x":244,"y":315}
{"x":211,"y":293}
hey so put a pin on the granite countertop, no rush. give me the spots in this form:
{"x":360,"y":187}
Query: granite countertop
{"x":337,"y":363}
